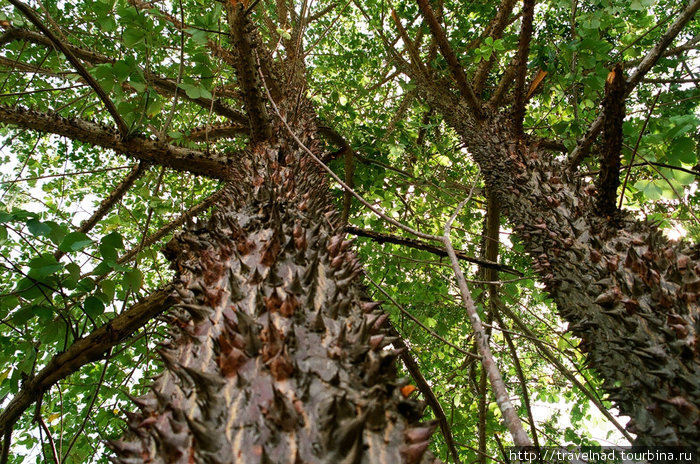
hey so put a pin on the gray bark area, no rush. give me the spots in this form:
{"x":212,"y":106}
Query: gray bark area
{"x":276,"y":355}
{"x":629,"y":293}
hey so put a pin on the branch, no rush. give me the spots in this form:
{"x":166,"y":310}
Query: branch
{"x":655,"y":53}
{"x":84,"y":351}
{"x":424,"y":387}
{"x":614,"y":110}
{"x":521,"y":66}
{"x":579,"y":153}
{"x":29,"y":13}
{"x":504,"y":84}
{"x":572,"y":378}
{"x":636,"y":147}
{"x":169,"y":227}
{"x":521,"y":379}
{"x":510,"y":417}
{"x":151,"y":151}
{"x":335,"y":177}
{"x":456,"y":68}
{"x":209,"y":133}
{"x":412,"y":51}
{"x":495,"y":31}
{"x":114,"y":196}
{"x":161,"y":84}
{"x":246,"y":71}
{"x":380,"y":237}
{"x":691,"y":44}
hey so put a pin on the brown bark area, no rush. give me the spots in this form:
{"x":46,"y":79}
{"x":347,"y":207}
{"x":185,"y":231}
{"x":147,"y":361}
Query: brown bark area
{"x":276,"y":355}
{"x":614,"y":111}
{"x":629,"y":293}
{"x":141,"y":148}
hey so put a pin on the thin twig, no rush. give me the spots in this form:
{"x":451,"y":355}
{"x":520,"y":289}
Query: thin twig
{"x":434,"y":249}
{"x":636,"y":147}
{"x":418,"y":322}
{"x":510,"y":417}
{"x":553,"y":359}
{"x":89,"y":409}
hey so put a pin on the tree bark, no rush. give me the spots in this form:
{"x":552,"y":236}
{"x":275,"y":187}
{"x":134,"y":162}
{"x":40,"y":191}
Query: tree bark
{"x":626,"y":291}
{"x":277,"y":355}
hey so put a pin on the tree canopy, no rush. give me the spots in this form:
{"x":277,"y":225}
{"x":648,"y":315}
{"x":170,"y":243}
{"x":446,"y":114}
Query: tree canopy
{"x":120,"y":120}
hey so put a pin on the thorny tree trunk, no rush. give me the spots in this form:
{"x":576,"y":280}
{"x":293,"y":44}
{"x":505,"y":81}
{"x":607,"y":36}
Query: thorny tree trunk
{"x":276,"y":354}
{"x":629,"y":293}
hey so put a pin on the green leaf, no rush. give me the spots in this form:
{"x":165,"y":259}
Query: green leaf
{"x":284,"y":33}
{"x":192,"y":91}
{"x":23,"y":315}
{"x":682,"y":150}
{"x":109,"y":245}
{"x":93,"y":306}
{"x":199,"y":36}
{"x":86,"y":284}
{"x":650,"y":190}
{"x":71,"y":281}
{"x":38,"y":228}
{"x":132,"y":280}
{"x":44,"y":313}
{"x":154,"y":107}
{"x":74,"y":241}
{"x":58,"y":232}
{"x":138,"y":86}
{"x":43,"y":266}
{"x":133,"y":36}
{"x":107,"y":23}
{"x":108,"y":289}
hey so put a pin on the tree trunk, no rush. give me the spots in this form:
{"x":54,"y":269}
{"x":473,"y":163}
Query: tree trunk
{"x":276,"y":354}
{"x":626,"y":291}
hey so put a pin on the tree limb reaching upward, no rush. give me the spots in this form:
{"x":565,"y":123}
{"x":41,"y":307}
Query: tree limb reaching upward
{"x":456,"y":68}
{"x":84,"y":351}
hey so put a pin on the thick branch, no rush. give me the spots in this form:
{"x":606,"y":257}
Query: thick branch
{"x":510,"y":416}
{"x":655,"y":53}
{"x":151,"y":151}
{"x":380,"y":237}
{"x":84,"y":351}
{"x":495,"y":31}
{"x":246,"y":70}
{"x":504,"y":84}
{"x":29,"y":13}
{"x":521,"y":66}
{"x":614,"y":110}
{"x":456,"y":68}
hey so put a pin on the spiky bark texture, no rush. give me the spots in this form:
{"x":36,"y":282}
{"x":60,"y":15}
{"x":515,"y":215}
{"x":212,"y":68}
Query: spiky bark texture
{"x":629,"y":293}
{"x":277,"y":355}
